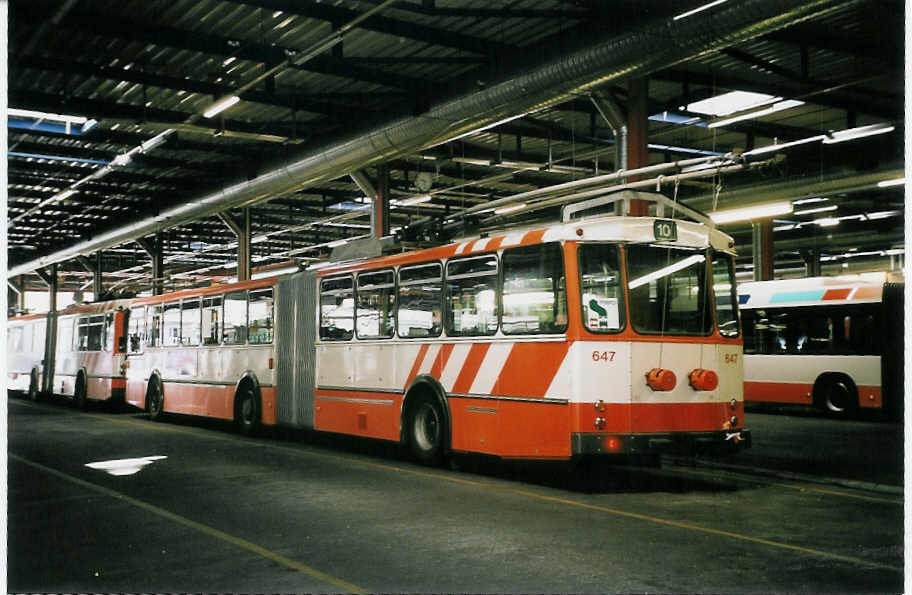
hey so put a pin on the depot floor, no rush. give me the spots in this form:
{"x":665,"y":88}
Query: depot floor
{"x":219,"y":512}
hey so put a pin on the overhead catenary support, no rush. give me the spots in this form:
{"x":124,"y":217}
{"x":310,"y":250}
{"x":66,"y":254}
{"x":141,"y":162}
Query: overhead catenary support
{"x":763,"y":249}
{"x":155,"y":251}
{"x":648,"y":49}
{"x":241,"y":230}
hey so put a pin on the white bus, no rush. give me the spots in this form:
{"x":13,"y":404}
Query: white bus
{"x":828,"y":342}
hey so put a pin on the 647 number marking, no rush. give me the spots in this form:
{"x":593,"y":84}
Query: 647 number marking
{"x":603,"y":356}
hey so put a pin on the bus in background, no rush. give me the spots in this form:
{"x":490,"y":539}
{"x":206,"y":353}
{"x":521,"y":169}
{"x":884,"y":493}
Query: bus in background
{"x":78,"y":352}
{"x":830,"y":342}
{"x":207,"y":352}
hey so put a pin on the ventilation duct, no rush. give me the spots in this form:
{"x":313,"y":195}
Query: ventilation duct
{"x":638,"y":53}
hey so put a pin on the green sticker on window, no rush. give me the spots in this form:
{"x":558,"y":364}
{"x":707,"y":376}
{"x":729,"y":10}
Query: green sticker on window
{"x":664,"y":229}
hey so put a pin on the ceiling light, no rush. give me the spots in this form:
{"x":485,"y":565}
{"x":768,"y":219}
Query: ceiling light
{"x":698,"y":9}
{"x":777,"y":147}
{"x":859,"y":132}
{"x":64,"y":194}
{"x":221,"y":105}
{"x":753,"y":212}
{"x":27,"y":113}
{"x":509,"y":208}
{"x":817,"y":210}
{"x":336,"y":243}
{"x":228,"y":60}
{"x":414,"y":200}
{"x":776,"y":107}
{"x":729,"y":103}
{"x":827,"y":222}
{"x":807,"y":201}
{"x":275,"y":272}
{"x":888,"y":183}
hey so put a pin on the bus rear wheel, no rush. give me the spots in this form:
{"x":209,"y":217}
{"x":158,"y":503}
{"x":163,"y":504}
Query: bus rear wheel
{"x":836,"y":396}
{"x":247,"y":410}
{"x":33,"y":392}
{"x":425,"y":426}
{"x":155,"y":399}
{"x":80,"y":393}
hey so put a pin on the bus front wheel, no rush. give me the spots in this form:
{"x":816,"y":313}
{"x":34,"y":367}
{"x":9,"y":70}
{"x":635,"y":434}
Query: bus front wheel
{"x":155,"y":399}
{"x":426,"y":429}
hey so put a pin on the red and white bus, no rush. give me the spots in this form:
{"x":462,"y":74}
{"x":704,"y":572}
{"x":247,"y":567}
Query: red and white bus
{"x":830,"y":342}
{"x":595,"y":336}
{"x":208,"y":352}
{"x":85,"y":347}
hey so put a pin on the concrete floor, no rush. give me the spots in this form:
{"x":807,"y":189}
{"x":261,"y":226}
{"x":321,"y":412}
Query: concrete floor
{"x":317,"y":513}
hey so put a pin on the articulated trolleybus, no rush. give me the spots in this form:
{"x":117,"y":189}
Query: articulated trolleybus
{"x":79,"y":352}
{"x":835,"y":343}
{"x":606,"y":335}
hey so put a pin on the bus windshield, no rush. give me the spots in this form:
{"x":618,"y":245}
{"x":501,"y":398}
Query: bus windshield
{"x":668,"y":290}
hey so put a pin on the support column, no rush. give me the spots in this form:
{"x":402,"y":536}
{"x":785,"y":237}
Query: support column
{"x":638,"y":135}
{"x":380,"y":226}
{"x":811,"y":262}
{"x":97,"y":287}
{"x":241,"y":229}
{"x":156,"y":252}
{"x":50,"y":278}
{"x":763,"y":249}
{"x":16,"y":294}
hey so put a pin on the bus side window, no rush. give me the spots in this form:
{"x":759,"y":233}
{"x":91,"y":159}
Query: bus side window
{"x":374,"y":315}
{"x":420,"y":310}
{"x":337,"y":309}
{"x":171,"y":324}
{"x":137,"y":330}
{"x":260,"y":315}
{"x":600,"y":288}
{"x":190,"y":321}
{"x":155,"y":325}
{"x":212,"y":328}
{"x":471,"y":296}
{"x":534,"y":290}
{"x":109,"y":332}
{"x":235,"y":332}
{"x":14,"y":339}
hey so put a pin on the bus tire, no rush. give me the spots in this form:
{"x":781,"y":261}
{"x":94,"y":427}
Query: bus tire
{"x":247,"y":409}
{"x":80,"y":399}
{"x":425,"y":430}
{"x":836,"y":395}
{"x":34,"y":394}
{"x":155,"y":399}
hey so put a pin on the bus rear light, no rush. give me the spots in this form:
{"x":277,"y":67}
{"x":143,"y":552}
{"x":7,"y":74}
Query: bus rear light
{"x":612,"y":443}
{"x":600,"y":423}
{"x":701,"y":379}
{"x":661,"y":379}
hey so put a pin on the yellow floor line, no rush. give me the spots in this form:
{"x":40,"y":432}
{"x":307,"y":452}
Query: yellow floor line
{"x":237,"y":541}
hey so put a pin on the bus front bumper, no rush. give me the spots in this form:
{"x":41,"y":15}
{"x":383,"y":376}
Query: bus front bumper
{"x":686,"y":443}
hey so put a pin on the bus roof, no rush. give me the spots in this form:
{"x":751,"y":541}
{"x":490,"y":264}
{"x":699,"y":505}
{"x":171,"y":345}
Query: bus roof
{"x":617,"y":229}
{"x":813,"y":291}
{"x":75,"y":309}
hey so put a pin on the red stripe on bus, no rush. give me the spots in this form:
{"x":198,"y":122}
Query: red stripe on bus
{"x":440,"y":361}
{"x":495,"y":243}
{"x":533,"y":237}
{"x":470,"y":367}
{"x":422,"y":351}
{"x":778,"y":392}
{"x":643,"y":418}
{"x":529,"y":369}
{"x":836,"y":294}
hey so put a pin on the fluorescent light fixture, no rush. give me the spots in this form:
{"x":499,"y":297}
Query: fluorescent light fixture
{"x":880,"y":215}
{"x":776,"y":107}
{"x":827,"y":222}
{"x":859,"y":132}
{"x":347,"y":225}
{"x":221,"y":105}
{"x":817,"y":210}
{"x":684,"y":15}
{"x":665,"y":271}
{"x":414,"y":200}
{"x":888,"y":183}
{"x":753,"y":212}
{"x":228,"y":60}
{"x":155,"y":141}
{"x":336,"y":243}
{"x":90,"y":124}
{"x":729,"y":103}
{"x":509,"y":208}
{"x":786,"y":227}
{"x":274,"y":272}
{"x":794,"y":143}
{"x":807,"y":201}
{"x":27,"y":113}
